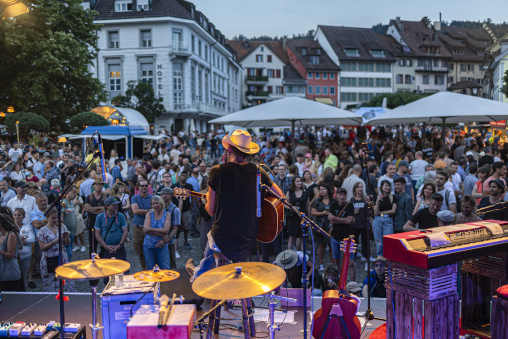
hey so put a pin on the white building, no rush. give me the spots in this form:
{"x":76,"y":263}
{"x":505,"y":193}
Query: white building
{"x":171,"y":45}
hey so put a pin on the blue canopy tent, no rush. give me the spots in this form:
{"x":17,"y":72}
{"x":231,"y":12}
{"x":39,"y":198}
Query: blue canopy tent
{"x":116,"y":133}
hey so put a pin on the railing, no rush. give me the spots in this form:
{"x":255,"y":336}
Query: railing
{"x":177,"y":47}
{"x":430,"y":68}
{"x":257,"y":93}
{"x":257,"y":77}
{"x":207,"y":108}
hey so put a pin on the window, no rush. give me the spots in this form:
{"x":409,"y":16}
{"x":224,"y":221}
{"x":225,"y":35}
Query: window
{"x":270,"y":89}
{"x":377,"y":53}
{"x":177,"y":40}
{"x":251,"y":71}
{"x":206,"y":52}
{"x":451,"y":67}
{"x":123,"y":6}
{"x":399,"y":79}
{"x":115,"y":79}
{"x":318,"y":90}
{"x":147,"y":73}
{"x":332,"y":75}
{"x":438,"y":80}
{"x":113,"y":40}
{"x":259,"y":58}
{"x":325,"y":75}
{"x":378,"y":82}
{"x":278,"y":74}
{"x":269,"y":58}
{"x":450,"y":79}
{"x":314,"y":59}
{"x":425,"y":38}
{"x":199,"y":47}
{"x":325,"y":90}
{"x":146,"y":38}
{"x":351,"y":51}
{"x":402,"y":62}
{"x":309,"y":75}
{"x":304,"y":51}
{"x":470,"y":68}
{"x":270,"y":73}
{"x":317,"y":75}
{"x":262,"y":48}
{"x":310,"y":90}
{"x":408,"y":79}
{"x":436,"y":62}
{"x":193,"y":43}
{"x":178,"y":86}
{"x":318,"y":51}
{"x":463,"y":67}
{"x":279,"y":90}
{"x":332,"y":90}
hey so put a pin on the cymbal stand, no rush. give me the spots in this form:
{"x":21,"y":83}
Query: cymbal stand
{"x":94,"y":327}
{"x":273,"y":302}
{"x":201,"y":325}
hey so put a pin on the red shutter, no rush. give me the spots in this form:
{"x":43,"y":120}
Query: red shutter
{"x":278,"y":73}
{"x":270,"y":89}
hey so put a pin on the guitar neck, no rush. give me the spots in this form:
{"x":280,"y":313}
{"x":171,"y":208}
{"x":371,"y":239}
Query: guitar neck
{"x":197,"y":194}
{"x":345,"y":266}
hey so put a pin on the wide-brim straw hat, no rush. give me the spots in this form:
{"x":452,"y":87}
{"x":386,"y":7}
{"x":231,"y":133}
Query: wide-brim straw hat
{"x":242,"y":140}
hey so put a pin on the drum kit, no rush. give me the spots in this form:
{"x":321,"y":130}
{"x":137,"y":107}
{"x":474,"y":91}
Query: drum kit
{"x":234,"y":281}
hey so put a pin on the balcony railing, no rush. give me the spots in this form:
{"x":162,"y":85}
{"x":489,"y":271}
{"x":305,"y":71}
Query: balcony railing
{"x":430,"y":68}
{"x":207,"y":108}
{"x":177,"y":47}
{"x":263,"y":78}
{"x":257,"y":93}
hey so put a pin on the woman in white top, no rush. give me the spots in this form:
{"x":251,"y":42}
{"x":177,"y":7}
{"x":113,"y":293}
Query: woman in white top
{"x":27,"y":236}
{"x":17,"y":173}
{"x":112,"y":158}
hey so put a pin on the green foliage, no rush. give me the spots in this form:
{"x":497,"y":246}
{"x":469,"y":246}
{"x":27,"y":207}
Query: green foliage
{"x":141,"y":97}
{"x":44,"y":60}
{"x":29,"y":123}
{"x":86,"y":119}
{"x":504,"y":89}
{"x":395,"y":99}
{"x":380,"y":28}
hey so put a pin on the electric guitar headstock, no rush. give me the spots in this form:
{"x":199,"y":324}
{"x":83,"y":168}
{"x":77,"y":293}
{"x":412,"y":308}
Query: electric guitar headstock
{"x":348,"y":245}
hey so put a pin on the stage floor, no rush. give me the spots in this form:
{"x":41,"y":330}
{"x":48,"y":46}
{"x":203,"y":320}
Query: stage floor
{"x":43,"y":307}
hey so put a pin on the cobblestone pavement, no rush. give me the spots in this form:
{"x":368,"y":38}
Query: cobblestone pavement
{"x":195,"y":252}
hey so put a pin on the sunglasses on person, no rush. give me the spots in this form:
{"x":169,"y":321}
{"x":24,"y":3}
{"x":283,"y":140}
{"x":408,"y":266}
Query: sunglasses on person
{"x":143,"y":185}
{"x":379,"y":265}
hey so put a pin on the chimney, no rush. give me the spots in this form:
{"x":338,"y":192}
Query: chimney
{"x":284,"y":42}
{"x":437,"y":26}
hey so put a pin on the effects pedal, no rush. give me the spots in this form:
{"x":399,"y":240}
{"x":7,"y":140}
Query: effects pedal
{"x":16,"y":328}
{"x":40,"y":330}
{"x":28,"y":330}
{"x":4,"y":328}
{"x":72,"y":328}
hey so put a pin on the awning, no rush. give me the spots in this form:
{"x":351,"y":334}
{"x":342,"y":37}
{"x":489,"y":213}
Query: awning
{"x":326,"y":101}
{"x":78,"y":136}
{"x":152,"y":137}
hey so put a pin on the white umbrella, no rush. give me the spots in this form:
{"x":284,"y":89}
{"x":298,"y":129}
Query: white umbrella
{"x":292,"y":111}
{"x":444,"y":107}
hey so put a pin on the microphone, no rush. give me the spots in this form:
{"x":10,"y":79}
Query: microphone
{"x":258,"y":192}
{"x":101,"y":155}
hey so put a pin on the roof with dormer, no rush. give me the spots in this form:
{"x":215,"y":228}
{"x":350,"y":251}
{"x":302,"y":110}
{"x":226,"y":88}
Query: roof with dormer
{"x":312,"y":48}
{"x":245,"y":47}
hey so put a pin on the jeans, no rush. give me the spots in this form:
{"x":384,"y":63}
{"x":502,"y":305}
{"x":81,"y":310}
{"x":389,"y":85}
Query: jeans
{"x":208,"y":261}
{"x":381,"y":226}
{"x":69,"y":248}
{"x":159,"y":256}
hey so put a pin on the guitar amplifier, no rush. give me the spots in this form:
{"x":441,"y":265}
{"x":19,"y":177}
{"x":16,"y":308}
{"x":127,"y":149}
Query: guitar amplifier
{"x":182,"y":287}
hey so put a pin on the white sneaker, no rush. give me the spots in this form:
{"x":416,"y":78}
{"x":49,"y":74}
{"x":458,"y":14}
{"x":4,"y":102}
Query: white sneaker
{"x":83,"y":248}
{"x":75,"y":248}
{"x":321,"y":267}
{"x":177,"y":255}
{"x":366,"y":266}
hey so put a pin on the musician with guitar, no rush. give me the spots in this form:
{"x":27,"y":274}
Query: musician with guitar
{"x":232,"y":198}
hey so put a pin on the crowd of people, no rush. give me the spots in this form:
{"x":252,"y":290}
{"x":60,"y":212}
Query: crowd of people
{"x":344,"y":179}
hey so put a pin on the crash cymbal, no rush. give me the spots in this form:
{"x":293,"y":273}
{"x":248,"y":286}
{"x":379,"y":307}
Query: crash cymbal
{"x":239,"y":281}
{"x":157,"y":275}
{"x":86,"y":269}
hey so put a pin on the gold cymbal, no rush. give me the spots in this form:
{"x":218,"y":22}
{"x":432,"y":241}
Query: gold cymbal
{"x":157,"y":276}
{"x":254,"y":278}
{"x":86,"y":269}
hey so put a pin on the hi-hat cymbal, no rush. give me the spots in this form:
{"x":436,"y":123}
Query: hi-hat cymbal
{"x":249,"y":280}
{"x":86,"y":269}
{"x":157,"y":276}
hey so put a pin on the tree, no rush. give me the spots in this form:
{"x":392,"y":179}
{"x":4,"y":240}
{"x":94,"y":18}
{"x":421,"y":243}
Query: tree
{"x":87,"y":119}
{"x":29,"y":123}
{"x":504,"y":89}
{"x":141,"y":97}
{"x":395,"y":99}
{"x":44,"y":60}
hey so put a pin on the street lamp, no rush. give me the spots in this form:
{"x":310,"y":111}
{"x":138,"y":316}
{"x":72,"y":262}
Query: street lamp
{"x":13,"y":8}
{"x":10,"y":109}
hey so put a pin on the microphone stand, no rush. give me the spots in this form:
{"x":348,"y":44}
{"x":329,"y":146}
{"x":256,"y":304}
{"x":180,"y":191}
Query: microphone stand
{"x":58,"y":205}
{"x":369,"y":315}
{"x":305,"y":223}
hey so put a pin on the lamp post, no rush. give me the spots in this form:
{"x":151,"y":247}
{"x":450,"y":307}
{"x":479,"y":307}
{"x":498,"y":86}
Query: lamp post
{"x":17,"y":130}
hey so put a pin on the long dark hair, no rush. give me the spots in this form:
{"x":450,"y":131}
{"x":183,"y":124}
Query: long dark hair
{"x":293,"y":185}
{"x":328,"y":189}
{"x":7,"y":223}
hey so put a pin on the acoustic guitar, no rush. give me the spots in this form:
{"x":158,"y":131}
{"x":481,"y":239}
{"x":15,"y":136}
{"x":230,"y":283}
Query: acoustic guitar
{"x":272,"y":214}
{"x":337,"y":329}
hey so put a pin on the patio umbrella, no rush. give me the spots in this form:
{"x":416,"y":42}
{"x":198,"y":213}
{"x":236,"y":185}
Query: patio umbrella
{"x":445,"y":107}
{"x":290,"y":111}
